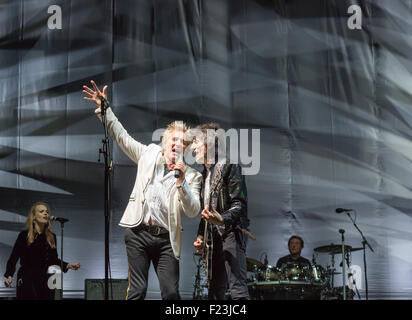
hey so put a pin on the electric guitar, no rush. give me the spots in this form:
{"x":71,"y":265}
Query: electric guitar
{"x":208,"y":232}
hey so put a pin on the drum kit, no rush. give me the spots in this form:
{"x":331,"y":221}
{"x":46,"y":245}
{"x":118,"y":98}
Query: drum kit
{"x":293,"y":281}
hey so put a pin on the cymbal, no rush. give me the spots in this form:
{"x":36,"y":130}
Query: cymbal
{"x":346,"y":249}
{"x":332,"y":249}
{"x":252,"y":263}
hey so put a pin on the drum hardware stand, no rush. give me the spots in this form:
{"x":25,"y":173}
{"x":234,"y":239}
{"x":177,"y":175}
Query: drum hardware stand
{"x":354,"y":283}
{"x":364,"y":242}
{"x":348,"y":258}
{"x":333,"y":270}
{"x":341,"y":231}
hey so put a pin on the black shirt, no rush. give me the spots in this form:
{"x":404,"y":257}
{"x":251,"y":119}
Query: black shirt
{"x":35,"y":258}
{"x":288,"y":259}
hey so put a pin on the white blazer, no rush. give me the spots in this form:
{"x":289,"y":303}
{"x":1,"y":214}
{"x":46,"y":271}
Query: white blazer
{"x":182,"y":200}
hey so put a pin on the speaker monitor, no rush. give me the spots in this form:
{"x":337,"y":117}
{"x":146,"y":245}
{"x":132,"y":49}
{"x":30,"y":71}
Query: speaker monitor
{"x":94,"y":289}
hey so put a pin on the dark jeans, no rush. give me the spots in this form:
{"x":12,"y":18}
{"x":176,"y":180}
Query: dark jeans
{"x":229,"y":267}
{"x":142,"y":248}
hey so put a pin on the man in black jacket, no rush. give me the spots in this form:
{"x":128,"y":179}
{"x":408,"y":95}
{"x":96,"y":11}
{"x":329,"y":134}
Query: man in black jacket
{"x":224,"y":217}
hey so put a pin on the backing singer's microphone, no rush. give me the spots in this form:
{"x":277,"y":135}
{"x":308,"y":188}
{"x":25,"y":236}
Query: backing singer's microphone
{"x":340,"y":210}
{"x":62,"y":220}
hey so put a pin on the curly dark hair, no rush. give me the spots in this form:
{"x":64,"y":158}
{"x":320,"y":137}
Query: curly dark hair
{"x":210,"y":125}
{"x":213,"y":135}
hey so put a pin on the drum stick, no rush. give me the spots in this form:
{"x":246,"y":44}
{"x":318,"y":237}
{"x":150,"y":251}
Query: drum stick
{"x":251,"y":236}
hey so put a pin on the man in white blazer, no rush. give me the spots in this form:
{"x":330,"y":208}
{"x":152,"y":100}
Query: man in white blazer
{"x":158,"y":200}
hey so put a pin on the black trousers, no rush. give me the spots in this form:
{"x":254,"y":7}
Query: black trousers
{"x":229,"y":267}
{"x":142,"y":248}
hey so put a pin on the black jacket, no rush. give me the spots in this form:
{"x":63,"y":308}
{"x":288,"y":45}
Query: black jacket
{"x":230,"y":200}
{"x":34,"y":259}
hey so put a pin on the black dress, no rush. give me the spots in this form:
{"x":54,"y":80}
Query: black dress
{"x":35,"y":259}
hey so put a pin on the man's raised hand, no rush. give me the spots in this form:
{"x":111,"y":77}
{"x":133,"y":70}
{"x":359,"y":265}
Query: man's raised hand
{"x":94,"y":95}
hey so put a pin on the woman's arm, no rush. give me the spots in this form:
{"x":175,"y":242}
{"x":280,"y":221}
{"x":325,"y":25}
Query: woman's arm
{"x":54,"y":258}
{"x":56,"y":261}
{"x":14,"y":257}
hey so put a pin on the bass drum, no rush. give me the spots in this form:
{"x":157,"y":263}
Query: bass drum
{"x":336,"y":293}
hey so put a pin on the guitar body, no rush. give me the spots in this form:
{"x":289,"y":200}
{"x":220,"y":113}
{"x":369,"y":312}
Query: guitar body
{"x":208,"y":231}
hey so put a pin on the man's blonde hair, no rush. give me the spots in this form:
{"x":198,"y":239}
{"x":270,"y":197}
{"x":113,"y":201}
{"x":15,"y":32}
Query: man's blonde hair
{"x":176,"y":125}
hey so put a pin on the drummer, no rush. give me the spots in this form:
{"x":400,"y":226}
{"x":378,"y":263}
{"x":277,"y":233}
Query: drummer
{"x":295,"y":245}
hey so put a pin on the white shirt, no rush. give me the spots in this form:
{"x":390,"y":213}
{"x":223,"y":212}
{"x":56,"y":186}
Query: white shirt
{"x":206,"y":194}
{"x":157,"y":197}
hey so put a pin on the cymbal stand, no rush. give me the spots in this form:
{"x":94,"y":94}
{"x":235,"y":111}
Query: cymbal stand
{"x":364,"y":243}
{"x":341,"y":231}
{"x":333,"y":269}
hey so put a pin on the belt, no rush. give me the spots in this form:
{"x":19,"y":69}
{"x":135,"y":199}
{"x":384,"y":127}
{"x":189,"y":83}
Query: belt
{"x":154,"y":230}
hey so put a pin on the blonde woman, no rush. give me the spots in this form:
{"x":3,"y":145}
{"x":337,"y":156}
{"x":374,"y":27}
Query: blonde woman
{"x":36,"y":249}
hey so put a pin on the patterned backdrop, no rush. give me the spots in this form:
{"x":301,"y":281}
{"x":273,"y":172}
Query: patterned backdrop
{"x":332,"y":103}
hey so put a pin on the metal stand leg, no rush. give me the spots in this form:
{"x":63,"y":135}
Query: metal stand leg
{"x":341,"y":231}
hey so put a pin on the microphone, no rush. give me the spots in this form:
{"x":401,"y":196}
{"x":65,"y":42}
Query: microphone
{"x":61,"y":220}
{"x":177,"y":171}
{"x":340,"y":210}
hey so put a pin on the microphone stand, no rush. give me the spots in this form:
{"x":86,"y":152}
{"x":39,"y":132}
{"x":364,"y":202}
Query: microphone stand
{"x":364,"y":242}
{"x":62,"y":222}
{"x":105,"y":150}
{"x":341,"y":231}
